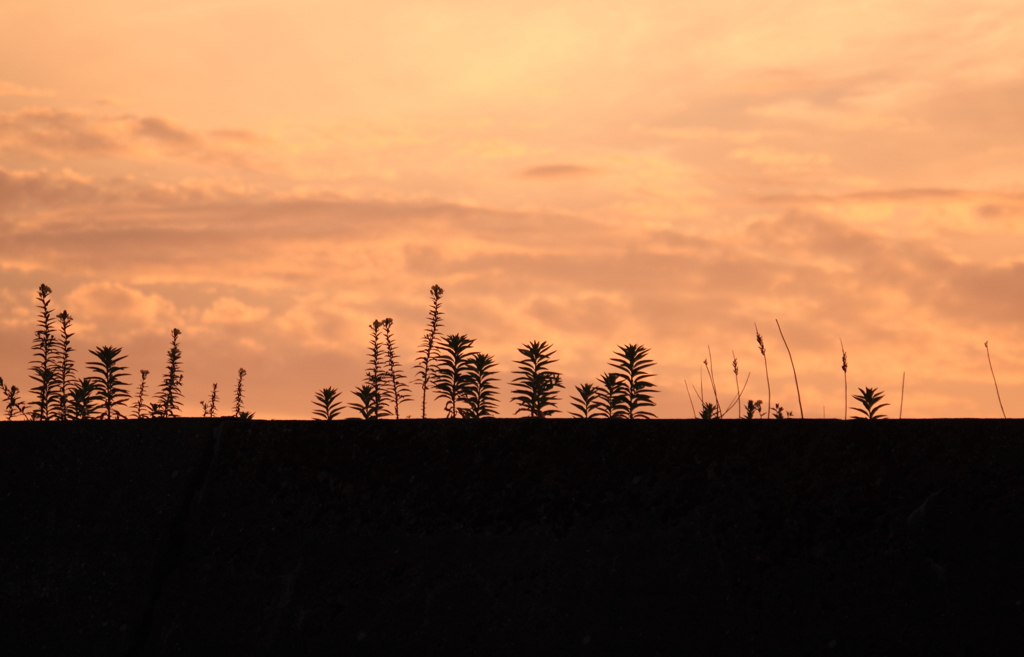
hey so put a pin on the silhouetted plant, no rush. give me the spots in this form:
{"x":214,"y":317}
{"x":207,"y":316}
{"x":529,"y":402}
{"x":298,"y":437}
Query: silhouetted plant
{"x":631,"y":360}
{"x":375,"y":373}
{"x":210,"y":407}
{"x":768,"y":382}
{"x":42,"y":369}
{"x":611,"y":397}
{"x":799,"y":401}
{"x":140,"y":403}
{"x":170,"y":399}
{"x":369,"y":402}
{"x":587,"y":402}
{"x":451,"y":374}
{"x":480,"y":394}
{"x":111,"y":390}
{"x":753,"y":407}
{"x":710,"y":369}
{"x":989,"y":356}
{"x":14,"y":405}
{"x":239,"y":395}
{"x":779,"y":413}
{"x":65,"y":367}
{"x":869,"y":398}
{"x":327,"y":404}
{"x":397,"y":390}
{"x":846,"y":393}
{"x":710,"y":411}
{"x":427,"y":361}
{"x":736,"y":372}
{"x":85,"y":399}
{"x":534,"y":389}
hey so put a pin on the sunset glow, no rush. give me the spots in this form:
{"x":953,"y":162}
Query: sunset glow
{"x":271,"y":177}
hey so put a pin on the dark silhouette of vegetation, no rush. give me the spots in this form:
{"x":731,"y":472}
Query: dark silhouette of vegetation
{"x":397,"y":391}
{"x":85,"y":399}
{"x":65,"y":369}
{"x":451,"y":375}
{"x":736,"y":373}
{"x":534,"y":389}
{"x":799,"y":401}
{"x":710,"y":411}
{"x":998,"y":396}
{"x":368,"y":404}
{"x":239,"y":396}
{"x":371,"y":393}
{"x":753,"y":407}
{"x":210,"y":407}
{"x":111,"y":390}
{"x":327,"y":404}
{"x":611,"y":396}
{"x":13,"y":404}
{"x":632,"y":362}
{"x":43,"y":366}
{"x":846,"y":393}
{"x":170,"y":398}
{"x":760,"y":345}
{"x":427,"y":361}
{"x":779,"y":413}
{"x":140,"y":399}
{"x":869,"y":398}
{"x":481,"y":394}
{"x":587,"y":402}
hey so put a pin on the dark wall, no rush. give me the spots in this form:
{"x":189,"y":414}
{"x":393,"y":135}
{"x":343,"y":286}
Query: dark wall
{"x":503,"y":537}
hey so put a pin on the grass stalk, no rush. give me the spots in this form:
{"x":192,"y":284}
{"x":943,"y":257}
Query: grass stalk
{"x":902,"y":386}
{"x":994,"y":379}
{"x":760,"y":345}
{"x":793,"y":365}
{"x":845,"y":389}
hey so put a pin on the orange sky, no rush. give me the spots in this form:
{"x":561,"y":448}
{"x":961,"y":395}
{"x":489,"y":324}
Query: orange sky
{"x":270,"y":177}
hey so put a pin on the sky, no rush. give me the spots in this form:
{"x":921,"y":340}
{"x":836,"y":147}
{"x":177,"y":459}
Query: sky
{"x":271,"y":177}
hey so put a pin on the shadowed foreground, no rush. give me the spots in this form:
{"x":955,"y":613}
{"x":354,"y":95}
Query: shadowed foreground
{"x":507,"y":537}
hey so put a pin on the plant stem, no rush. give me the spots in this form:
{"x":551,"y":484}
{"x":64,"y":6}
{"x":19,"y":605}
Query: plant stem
{"x":686,"y":385}
{"x":793,"y":365}
{"x":846,"y":394}
{"x":902,"y":385}
{"x":994,"y":379}
{"x":760,"y":344}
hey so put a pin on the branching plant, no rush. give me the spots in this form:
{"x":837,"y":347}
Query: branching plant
{"x":43,"y":366}
{"x":869,"y":398}
{"x":611,"y":396}
{"x":846,"y":394}
{"x":753,"y":407}
{"x":111,"y":390}
{"x":427,"y":361}
{"x":368,"y":404}
{"x":779,"y":413}
{"x":631,"y":360}
{"x":327,"y":404}
{"x":374,"y":379}
{"x":210,"y":407}
{"x":587,"y":402}
{"x":481,"y":394}
{"x":239,"y":395}
{"x":13,"y":404}
{"x":451,"y":375}
{"x":534,"y":389}
{"x":397,"y":390}
{"x":85,"y":400}
{"x":170,"y":399}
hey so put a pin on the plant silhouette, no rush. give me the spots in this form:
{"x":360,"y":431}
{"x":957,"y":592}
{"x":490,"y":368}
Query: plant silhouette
{"x":869,"y":398}
{"x":170,"y":399}
{"x":534,"y":389}
{"x":327,"y":404}
{"x":481,"y":393}
{"x":239,"y":396}
{"x":42,"y":370}
{"x":427,"y":360}
{"x":760,"y":345}
{"x":111,"y":391}
{"x":140,"y":399}
{"x":753,"y":407}
{"x":374,"y":379}
{"x":632,"y":362}
{"x":611,"y":397}
{"x":587,"y":402}
{"x":65,"y":366}
{"x":451,"y":376}
{"x":397,"y":391}
{"x":85,"y":399}
{"x":210,"y":407}
{"x":14,"y":405}
{"x":368,"y":404}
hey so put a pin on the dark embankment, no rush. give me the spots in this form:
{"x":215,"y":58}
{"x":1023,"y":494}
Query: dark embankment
{"x":510,"y":537}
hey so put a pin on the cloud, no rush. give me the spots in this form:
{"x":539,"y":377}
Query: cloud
{"x":557,"y":171}
{"x":14,"y":89}
{"x":227,"y":310}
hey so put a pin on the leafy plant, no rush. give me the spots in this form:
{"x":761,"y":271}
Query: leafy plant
{"x":869,"y":398}
{"x":710,"y":411}
{"x":14,"y":405}
{"x":480,"y":393}
{"x":611,"y":397}
{"x":846,"y":393}
{"x":43,"y":365}
{"x":534,"y":387}
{"x":427,"y":361}
{"x":239,"y":395}
{"x":170,"y":399}
{"x":779,"y":413}
{"x":85,"y":400}
{"x":210,"y":408}
{"x":65,"y":367}
{"x":327,"y":403}
{"x":587,"y":402}
{"x":374,"y":378}
{"x":451,"y":376}
{"x":631,"y":360}
{"x":753,"y":407}
{"x":397,"y":390}
{"x":140,"y":398}
{"x":111,"y":390}
{"x":369,"y":402}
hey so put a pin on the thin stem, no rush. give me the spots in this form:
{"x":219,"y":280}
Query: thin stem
{"x":902,"y":385}
{"x":793,"y":365}
{"x":736,"y":371}
{"x":760,"y":345}
{"x":845,"y":389}
{"x":686,"y":385}
{"x":994,"y":379}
